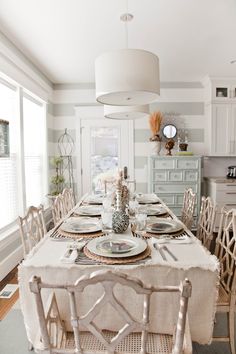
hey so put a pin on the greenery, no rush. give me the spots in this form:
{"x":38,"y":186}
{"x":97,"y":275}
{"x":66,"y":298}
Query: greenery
{"x":58,"y":179}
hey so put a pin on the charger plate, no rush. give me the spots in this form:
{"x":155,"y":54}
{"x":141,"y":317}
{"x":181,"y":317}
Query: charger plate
{"x":88,"y":210}
{"x":109,"y":260}
{"x":154,"y":210}
{"x":164,"y":226}
{"x":148,"y":199}
{"x":76,"y":235}
{"x":117,"y":247}
{"x":94,"y":199}
{"x":81,"y":225}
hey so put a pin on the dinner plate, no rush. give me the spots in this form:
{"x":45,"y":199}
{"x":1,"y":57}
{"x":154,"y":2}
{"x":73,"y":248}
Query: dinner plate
{"x":91,"y":210}
{"x":164,"y":226}
{"x":95,"y":199}
{"x":154,"y":210}
{"x":81,"y":225}
{"x":147,"y":199}
{"x":116,"y":246}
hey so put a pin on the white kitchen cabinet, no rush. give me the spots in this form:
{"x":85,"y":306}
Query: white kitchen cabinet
{"x":223,"y":193}
{"x":222,"y":129}
{"x":171,"y":175}
{"x":220,"y":112}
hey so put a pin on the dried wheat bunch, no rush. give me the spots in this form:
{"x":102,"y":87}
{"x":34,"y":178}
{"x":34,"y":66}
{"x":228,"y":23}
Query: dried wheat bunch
{"x":155,"y":120}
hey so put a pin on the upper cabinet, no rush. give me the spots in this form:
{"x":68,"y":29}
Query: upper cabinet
{"x":220,"y":111}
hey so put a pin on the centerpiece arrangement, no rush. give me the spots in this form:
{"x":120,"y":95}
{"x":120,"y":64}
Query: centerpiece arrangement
{"x":155,"y":120}
{"x":120,"y":219}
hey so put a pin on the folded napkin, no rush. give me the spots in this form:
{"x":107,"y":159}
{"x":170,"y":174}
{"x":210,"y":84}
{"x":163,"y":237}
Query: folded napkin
{"x":181,"y":239}
{"x":72,"y":252}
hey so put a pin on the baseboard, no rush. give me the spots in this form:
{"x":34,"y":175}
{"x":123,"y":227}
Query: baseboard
{"x":10,"y":262}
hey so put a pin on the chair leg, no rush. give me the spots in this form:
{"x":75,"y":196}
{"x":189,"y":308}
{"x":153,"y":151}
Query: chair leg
{"x":231,"y":329}
{"x":30,"y":346}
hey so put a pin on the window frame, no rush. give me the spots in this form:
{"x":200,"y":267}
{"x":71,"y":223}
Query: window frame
{"x":22,"y":92}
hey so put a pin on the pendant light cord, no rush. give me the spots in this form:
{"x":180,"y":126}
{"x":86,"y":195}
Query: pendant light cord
{"x":126,"y":26}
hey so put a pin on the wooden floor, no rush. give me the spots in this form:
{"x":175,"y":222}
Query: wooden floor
{"x":6,"y":304}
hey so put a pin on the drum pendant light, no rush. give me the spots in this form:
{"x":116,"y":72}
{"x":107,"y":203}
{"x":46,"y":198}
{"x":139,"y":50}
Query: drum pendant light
{"x":127,"y":77}
{"x":126,"y":112}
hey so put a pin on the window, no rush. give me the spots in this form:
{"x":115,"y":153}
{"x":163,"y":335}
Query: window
{"x":23,"y":173}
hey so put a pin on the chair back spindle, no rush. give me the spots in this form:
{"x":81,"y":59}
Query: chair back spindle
{"x":32,"y":228}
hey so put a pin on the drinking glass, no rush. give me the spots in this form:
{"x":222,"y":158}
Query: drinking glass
{"x":140,"y":222}
{"x":106,"y":221}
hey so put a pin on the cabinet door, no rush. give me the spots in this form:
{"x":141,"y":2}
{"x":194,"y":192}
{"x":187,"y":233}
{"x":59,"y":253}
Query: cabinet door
{"x":232,"y":130}
{"x":221,"y":129}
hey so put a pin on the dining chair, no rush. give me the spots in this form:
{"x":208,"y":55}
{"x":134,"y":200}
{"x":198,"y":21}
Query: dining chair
{"x":132,"y":338}
{"x":226,"y":253}
{"x":32,"y":228}
{"x":68,"y":197}
{"x":58,"y":209}
{"x":188,"y":207}
{"x":206,"y":221}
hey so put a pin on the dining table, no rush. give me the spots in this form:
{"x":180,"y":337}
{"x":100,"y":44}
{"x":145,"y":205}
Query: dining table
{"x":169,"y":260}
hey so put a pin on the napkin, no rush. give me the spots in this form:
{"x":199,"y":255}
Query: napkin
{"x":72,"y":252}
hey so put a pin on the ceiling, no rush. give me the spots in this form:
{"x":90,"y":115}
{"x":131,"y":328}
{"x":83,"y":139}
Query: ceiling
{"x":62,"y":38}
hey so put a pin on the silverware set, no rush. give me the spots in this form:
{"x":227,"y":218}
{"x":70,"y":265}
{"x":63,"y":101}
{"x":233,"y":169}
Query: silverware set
{"x":163,"y":249}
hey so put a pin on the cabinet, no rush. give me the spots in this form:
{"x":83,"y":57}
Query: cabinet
{"x":222,"y":129}
{"x":171,"y":175}
{"x":222,"y":192}
{"x":220,"y":111}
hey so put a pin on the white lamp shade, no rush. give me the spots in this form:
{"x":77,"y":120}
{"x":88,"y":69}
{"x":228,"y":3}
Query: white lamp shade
{"x":127,"y":77}
{"x":126,"y":112}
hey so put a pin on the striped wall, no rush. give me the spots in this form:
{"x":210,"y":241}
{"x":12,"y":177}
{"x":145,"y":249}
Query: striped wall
{"x":181,"y":103}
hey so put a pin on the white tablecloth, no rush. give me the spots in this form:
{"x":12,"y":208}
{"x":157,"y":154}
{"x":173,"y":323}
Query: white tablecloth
{"x":194,"y":262}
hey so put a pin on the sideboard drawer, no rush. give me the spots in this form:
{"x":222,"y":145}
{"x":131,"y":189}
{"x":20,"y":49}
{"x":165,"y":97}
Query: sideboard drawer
{"x":179,"y":199}
{"x":173,"y":188}
{"x":159,"y":176}
{"x":168,"y":199}
{"x":187,"y":164}
{"x":164,"y":164}
{"x":226,"y":197}
{"x":190,"y":176}
{"x":175,"y":176}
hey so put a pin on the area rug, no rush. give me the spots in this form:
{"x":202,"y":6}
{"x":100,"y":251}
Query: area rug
{"x":13,"y":338}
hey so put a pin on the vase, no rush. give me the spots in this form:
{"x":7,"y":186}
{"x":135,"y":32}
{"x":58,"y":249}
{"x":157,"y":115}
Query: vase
{"x":155,"y":147}
{"x":120,"y":220}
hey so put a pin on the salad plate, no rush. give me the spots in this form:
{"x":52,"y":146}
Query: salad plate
{"x":96,"y":199}
{"x":117,"y":246}
{"x":90,"y":210}
{"x":81,"y":225}
{"x":153,"y":210}
{"x":147,"y":199}
{"x":164,"y":226}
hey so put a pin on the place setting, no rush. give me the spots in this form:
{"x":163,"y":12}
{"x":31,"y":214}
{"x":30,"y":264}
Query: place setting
{"x":88,"y":210}
{"x":117,"y":249}
{"x":80,"y":227}
{"x":147,"y":199}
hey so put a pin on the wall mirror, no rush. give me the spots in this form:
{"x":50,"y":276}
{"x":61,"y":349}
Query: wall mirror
{"x":169,"y":131}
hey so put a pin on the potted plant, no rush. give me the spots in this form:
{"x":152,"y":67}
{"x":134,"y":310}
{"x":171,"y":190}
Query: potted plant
{"x":57,"y":181}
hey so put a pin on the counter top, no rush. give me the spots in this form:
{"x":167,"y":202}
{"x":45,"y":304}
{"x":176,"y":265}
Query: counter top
{"x":221,"y":180}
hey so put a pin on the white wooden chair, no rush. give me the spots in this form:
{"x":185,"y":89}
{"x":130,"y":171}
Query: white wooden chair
{"x":32,"y":228}
{"x":68,"y":197}
{"x":206,"y":221}
{"x":58,"y":209}
{"x":188,"y":208}
{"x":226,"y":252}
{"x":95,"y":340}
